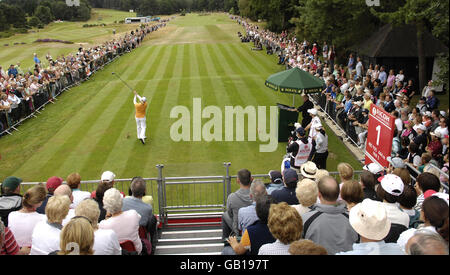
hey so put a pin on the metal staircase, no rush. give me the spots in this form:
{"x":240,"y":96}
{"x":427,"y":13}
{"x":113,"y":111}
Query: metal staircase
{"x":191,"y":234}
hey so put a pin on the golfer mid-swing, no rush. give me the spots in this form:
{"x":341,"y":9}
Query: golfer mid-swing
{"x":140,"y":107}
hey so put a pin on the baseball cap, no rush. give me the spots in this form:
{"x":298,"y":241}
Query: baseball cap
{"x":53,"y":183}
{"x":312,"y":111}
{"x":108,"y":176}
{"x":275,"y":176}
{"x":443,"y":113}
{"x":369,"y":219}
{"x":143,"y":99}
{"x":301,"y":131}
{"x":11,"y":183}
{"x":392,"y":184}
{"x":396,"y":162}
{"x":373,"y":168}
{"x":290,"y":175}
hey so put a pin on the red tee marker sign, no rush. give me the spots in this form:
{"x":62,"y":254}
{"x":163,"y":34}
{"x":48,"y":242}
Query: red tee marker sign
{"x":379,"y":136}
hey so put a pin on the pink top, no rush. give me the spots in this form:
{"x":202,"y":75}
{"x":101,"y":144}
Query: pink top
{"x":126,"y":227}
{"x":390,"y":81}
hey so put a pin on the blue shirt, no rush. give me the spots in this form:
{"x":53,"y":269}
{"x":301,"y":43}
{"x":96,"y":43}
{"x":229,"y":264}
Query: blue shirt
{"x":13,"y":72}
{"x":274,"y":186}
{"x":382,"y":76}
{"x":351,"y":62}
{"x":247,"y":216}
{"x":348,"y":105}
{"x":374,"y":248}
{"x":36,"y":60}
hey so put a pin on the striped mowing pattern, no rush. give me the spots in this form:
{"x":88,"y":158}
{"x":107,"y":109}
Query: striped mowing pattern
{"x":195,"y":56}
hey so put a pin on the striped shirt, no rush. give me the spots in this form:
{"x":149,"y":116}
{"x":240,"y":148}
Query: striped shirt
{"x":10,"y":246}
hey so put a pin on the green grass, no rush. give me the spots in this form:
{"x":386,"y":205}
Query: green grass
{"x":194,"y":56}
{"x":67,"y":31}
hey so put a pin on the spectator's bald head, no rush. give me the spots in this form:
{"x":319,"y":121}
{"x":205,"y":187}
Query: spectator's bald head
{"x":63,"y":190}
{"x":426,"y":244}
{"x":328,"y":189}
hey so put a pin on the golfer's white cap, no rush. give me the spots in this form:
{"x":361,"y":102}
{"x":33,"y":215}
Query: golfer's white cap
{"x":143,"y":99}
{"x":108,"y":176}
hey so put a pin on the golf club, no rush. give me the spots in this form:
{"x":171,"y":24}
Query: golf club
{"x":122,"y":81}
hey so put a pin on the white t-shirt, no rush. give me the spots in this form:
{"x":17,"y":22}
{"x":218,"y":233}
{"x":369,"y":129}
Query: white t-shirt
{"x":399,"y":124}
{"x":444,"y":131}
{"x":406,"y":235}
{"x":78,"y":196}
{"x":106,"y":242}
{"x":22,"y":225}
{"x":45,"y":239}
{"x":395,"y":215}
{"x":126,"y":226}
{"x":69,"y":216}
{"x":314,"y":122}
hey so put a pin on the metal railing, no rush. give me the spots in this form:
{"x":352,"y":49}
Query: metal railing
{"x":191,"y":194}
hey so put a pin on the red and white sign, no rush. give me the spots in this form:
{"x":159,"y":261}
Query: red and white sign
{"x":379,"y":136}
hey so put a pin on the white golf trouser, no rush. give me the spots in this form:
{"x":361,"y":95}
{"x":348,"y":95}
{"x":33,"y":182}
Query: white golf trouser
{"x":141,"y":126}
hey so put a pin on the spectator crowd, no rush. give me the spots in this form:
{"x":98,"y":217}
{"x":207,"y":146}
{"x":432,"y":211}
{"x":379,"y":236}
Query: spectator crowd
{"x":421,"y":135}
{"x":57,"y":218}
{"x":377,"y":212}
{"x":24,"y":91}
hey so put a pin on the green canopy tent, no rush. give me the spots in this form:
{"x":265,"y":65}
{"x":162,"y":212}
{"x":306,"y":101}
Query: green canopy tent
{"x":295,"y":81}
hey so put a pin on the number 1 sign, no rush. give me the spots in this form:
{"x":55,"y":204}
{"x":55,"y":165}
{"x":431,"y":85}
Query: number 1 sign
{"x":379,"y":136}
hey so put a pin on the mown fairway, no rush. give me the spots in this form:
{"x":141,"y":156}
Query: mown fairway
{"x":193,"y":57}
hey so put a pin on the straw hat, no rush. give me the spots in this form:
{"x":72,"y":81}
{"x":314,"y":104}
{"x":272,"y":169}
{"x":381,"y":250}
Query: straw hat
{"x":309,"y":170}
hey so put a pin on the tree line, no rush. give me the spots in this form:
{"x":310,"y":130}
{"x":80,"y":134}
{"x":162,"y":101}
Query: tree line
{"x":37,"y":13}
{"x":164,"y":7}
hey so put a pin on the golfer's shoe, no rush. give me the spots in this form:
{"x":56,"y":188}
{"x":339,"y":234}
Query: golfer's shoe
{"x":142,"y":140}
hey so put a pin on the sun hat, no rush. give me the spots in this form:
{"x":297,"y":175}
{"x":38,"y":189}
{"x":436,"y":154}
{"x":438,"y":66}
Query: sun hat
{"x":373,"y":168}
{"x":108,"y":176}
{"x":396,"y":162}
{"x":312,"y":111}
{"x":369,"y":219}
{"x":392,"y":184}
{"x":419,"y":127}
{"x":436,"y":133}
{"x":309,"y":170}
